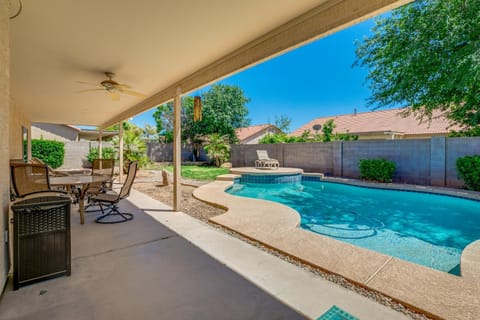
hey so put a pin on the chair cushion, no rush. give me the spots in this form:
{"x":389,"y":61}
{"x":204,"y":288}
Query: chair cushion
{"x":106,"y":197}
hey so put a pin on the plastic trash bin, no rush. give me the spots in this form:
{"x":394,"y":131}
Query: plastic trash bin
{"x":41,"y":239}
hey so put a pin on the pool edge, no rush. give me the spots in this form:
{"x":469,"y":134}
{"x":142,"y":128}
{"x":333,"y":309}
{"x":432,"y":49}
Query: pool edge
{"x":450,"y":297}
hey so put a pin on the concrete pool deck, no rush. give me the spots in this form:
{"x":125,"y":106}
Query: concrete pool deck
{"x":434,"y":292}
{"x":300,"y":289}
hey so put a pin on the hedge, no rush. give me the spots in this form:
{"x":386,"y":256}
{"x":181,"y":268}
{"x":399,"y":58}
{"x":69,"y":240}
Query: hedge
{"x":107,"y":153}
{"x":381,"y":170}
{"x":468,"y":169}
{"x":49,"y":151}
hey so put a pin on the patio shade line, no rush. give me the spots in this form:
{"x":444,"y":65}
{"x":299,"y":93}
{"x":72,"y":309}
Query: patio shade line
{"x":323,"y":20}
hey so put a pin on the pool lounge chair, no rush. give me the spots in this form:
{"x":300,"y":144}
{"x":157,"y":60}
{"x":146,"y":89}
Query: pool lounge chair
{"x":264,"y":161}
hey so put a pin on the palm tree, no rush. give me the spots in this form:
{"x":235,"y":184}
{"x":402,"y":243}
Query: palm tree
{"x":148,"y":131}
{"x":218,"y":148}
{"x":134,"y":147}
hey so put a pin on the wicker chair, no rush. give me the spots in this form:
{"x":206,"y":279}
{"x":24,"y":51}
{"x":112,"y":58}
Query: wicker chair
{"x":111,"y":213}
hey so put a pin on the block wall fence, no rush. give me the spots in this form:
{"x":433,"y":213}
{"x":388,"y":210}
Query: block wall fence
{"x":423,"y":161}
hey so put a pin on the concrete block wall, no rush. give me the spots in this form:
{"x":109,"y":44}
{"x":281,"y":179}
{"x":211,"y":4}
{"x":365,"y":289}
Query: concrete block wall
{"x":76,"y":154}
{"x":311,"y":157}
{"x":163,"y":152}
{"x":455,"y":148}
{"x":420,"y":161}
{"x":411,"y":157}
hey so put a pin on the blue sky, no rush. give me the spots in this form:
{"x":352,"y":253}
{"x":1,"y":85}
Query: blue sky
{"x":312,"y":81}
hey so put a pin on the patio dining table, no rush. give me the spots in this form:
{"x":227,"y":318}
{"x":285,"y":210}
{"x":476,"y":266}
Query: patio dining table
{"x":81,"y":181}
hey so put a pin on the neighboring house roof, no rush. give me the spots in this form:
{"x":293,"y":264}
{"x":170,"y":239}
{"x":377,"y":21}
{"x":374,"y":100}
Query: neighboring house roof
{"x":248,"y":132}
{"x":383,"y":121}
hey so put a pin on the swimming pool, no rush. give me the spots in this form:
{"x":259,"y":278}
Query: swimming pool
{"x":427,"y":229}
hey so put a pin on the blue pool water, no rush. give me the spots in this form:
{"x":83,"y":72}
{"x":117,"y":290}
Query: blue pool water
{"x":428,"y":229}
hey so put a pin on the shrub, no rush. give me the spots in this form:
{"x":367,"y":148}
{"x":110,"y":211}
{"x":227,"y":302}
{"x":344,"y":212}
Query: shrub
{"x":468,"y":169}
{"x":49,"y":151}
{"x":218,"y":148}
{"x":377,"y":169}
{"x":107,"y":153}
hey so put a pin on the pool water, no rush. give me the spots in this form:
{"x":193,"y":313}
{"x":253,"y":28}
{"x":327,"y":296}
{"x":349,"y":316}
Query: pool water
{"x":428,"y":229}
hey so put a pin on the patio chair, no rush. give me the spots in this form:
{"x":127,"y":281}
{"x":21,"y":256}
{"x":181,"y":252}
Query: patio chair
{"x":264,"y":161}
{"x":51,"y":171}
{"x":29,"y":179}
{"x":111,"y":200}
{"x":101,"y":167}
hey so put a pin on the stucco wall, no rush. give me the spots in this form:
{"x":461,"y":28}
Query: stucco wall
{"x":56,"y":132}
{"x":4,"y":133}
{"x":18,"y":120}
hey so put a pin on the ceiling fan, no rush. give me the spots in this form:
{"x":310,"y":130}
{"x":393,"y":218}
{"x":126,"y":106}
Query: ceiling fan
{"x":113,"y":88}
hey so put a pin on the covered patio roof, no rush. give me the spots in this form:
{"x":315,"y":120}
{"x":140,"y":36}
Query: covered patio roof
{"x":153,"y":46}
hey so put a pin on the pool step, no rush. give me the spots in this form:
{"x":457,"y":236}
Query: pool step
{"x":228,"y":177}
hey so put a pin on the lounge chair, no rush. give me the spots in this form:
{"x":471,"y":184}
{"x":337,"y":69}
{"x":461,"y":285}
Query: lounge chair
{"x":264,"y":161}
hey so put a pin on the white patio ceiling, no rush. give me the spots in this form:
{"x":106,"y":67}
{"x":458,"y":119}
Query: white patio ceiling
{"x":154,"y":46}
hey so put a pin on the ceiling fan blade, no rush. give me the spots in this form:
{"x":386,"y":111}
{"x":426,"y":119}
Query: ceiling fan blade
{"x":122,"y":86}
{"x":133,"y":93}
{"x":114,"y":95}
{"x":87,"y":90}
{"x":89,"y":83}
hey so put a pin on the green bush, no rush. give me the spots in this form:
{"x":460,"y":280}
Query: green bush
{"x":218,"y":148}
{"x":49,"y":151}
{"x":381,"y":170}
{"x":107,"y":153}
{"x":468,"y":169}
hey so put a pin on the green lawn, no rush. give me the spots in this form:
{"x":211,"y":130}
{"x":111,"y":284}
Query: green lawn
{"x":194,"y":172}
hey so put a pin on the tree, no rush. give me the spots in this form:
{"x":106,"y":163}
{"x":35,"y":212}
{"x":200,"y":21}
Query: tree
{"x":224,"y":110}
{"x":327,"y":130}
{"x":149,"y":131}
{"x":427,"y":55}
{"x":283,"y":122}
{"x":134,"y":147}
{"x":218,"y":148}
{"x":163,"y":116}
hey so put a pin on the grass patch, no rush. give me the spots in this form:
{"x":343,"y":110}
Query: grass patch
{"x":193,"y":172}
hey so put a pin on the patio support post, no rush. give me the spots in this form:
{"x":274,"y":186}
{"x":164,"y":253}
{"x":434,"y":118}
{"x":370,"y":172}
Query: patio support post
{"x":120,"y":151}
{"x":177,"y":149}
{"x":100,"y":144}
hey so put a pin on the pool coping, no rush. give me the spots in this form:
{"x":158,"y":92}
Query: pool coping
{"x":433,"y":292}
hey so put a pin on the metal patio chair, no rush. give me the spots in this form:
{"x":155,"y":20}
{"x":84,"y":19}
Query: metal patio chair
{"x":30,"y":179}
{"x":108,"y":202}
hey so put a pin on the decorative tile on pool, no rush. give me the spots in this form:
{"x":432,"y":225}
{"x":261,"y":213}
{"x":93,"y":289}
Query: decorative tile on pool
{"x":335,"y":313}
{"x":271,"y":179}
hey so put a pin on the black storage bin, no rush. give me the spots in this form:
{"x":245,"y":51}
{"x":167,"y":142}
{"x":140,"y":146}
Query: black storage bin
{"x":41,"y":239}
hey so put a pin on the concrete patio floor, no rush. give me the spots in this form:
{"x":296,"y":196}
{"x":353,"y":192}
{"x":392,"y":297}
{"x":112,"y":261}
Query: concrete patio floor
{"x":141,"y":270}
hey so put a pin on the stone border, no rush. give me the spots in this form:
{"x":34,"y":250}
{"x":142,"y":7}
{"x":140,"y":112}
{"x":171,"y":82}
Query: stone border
{"x":433,"y":292}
